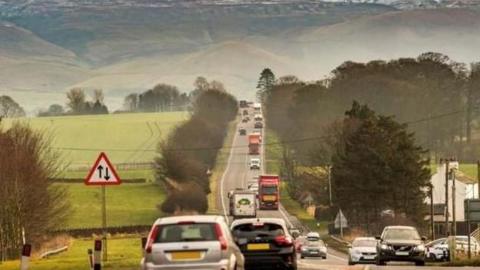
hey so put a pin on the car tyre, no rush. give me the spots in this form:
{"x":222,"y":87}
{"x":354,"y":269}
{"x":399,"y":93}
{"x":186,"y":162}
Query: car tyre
{"x":350,"y":262}
{"x":302,"y":257}
{"x":380,"y":262}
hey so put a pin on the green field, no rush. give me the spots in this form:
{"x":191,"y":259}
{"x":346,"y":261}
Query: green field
{"x":126,"y":138}
{"x":124,"y":254}
{"x":127,"y":204}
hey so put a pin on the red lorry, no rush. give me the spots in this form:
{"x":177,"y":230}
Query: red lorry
{"x":268,"y":192}
{"x":253,"y":144}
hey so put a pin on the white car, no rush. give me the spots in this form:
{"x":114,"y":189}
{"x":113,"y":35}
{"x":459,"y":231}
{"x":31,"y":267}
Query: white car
{"x":362,"y":250}
{"x":438,"y":250}
{"x":255,"y":164}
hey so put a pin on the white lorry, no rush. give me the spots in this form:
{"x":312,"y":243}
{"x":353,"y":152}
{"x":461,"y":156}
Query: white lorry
{"x":243,"y":204}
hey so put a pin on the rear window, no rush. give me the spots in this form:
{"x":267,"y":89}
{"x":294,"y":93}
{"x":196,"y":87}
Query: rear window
{"x":186,"y":233}
{"x":253,"y":231}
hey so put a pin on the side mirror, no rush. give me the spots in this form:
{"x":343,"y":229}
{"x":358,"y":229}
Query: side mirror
{"x":378,"y":237}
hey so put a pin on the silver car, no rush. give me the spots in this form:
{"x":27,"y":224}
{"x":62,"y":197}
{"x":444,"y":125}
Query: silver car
{"x":191,"y":242}
{"x":362,"y":250}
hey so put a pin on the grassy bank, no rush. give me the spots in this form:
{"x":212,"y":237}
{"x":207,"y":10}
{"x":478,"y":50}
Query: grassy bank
{"x":123,"y":254}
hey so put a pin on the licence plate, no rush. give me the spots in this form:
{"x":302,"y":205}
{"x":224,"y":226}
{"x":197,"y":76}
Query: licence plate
{"x":369,"y":257}
{"x":313,"y":252}
{"x":402,"y":253}
{"x":186,"y":255}
{"x":258,"y":247}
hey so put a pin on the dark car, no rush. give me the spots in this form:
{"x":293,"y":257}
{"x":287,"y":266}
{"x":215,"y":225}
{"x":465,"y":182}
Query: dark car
{"x":400,"y":243}
{"x":245,"y":120}
{"x":245,"y":112}
{"x":258,"y":125}
{"x":265,"y":243}
{"x":242,"y":131}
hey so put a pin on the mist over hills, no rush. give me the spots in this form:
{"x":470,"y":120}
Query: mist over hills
{"x":125,"y":46}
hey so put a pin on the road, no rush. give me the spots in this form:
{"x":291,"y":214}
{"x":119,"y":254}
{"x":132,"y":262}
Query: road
{"x":237,"y":175}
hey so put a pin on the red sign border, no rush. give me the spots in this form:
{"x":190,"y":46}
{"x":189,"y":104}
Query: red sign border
{"x":94,"y":167}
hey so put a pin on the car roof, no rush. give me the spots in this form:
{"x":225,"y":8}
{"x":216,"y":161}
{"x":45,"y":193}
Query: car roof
{"x":278,"y":221}
{"x":400,"y":227}
{"x":194,"y":218}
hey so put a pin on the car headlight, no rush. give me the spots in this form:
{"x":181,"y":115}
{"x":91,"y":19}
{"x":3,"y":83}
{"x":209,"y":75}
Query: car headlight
{"x":384,"y":247}
{"x":420,"y":248}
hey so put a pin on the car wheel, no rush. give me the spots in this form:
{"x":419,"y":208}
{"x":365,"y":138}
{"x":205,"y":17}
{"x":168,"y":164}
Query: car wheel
{"x":380,"y":262}
{"x":302,"y":257}
{"x":350,"y":262}
{"x":420,"y":263}
{"x":325,"y":257}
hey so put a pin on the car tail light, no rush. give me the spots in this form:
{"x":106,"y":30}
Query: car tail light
{"x":153,"y":236}
{"x":221,"y":238}
{"x":283,"y":240}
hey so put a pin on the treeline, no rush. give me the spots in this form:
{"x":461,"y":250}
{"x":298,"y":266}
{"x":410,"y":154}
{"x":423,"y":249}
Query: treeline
{"x":166,"y":98}
{"x":77,"y":104}
{"x":377,"y":162}
{"x":190,"y":151}
{"x":31,"y":205}
{"x":438,"y":97}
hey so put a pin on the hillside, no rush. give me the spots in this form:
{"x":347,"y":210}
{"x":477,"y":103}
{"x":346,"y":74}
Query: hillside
{"x":131,"y":46}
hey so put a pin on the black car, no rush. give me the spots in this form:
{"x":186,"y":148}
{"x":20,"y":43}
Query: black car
{"x":258,"y":125}
{"x":245,"y":120}
{"x":242,"y":131}
{"x":265,"y":243}
{"x":400,"y":243}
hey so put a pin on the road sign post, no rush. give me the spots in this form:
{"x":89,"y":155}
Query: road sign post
{"x":103,"y":174}
{"x":340,"y":222}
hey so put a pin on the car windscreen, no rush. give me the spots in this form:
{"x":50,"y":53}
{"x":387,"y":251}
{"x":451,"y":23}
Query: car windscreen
{"x":364,"y":243}
{"x":186,"y":233}
{"x":269,"y":190}
{"x":315,"y":243}
{"x":401,"y":234}
{"x":252,"y":231}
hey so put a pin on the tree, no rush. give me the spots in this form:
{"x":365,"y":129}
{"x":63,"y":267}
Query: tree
{"x":377,"y":166}
{"x":30,"y":201}
{"x":10,"y":108}
{"x":131,"y":102}
{"x":76,"y":100}
{"x":265,"y":83}
{"x":98,"y":95}
{"x":53,"y":110}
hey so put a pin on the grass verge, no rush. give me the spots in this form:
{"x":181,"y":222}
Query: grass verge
{"x":123,"y":254}
{"x":220,"y":166}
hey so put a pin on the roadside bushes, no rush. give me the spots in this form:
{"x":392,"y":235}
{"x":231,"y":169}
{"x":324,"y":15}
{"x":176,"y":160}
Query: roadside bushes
{"x":191,"y":151}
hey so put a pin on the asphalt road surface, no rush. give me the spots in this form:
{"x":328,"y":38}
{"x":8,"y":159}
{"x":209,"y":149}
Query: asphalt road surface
{"x":238,"y":175}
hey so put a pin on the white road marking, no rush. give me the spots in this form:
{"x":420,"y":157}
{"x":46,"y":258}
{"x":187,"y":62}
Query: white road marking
{"x":222,"y":180}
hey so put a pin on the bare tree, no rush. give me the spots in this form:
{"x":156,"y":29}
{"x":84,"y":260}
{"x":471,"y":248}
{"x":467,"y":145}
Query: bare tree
{"x":98,"y":95}
{"x":30,"y":202}
{"x":76,"y":100}
{"x":10,"y":108}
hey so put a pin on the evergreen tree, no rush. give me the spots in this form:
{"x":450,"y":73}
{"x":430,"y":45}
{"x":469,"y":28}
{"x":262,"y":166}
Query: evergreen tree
{"x":377,"y":166}
{"x":265,"y":83}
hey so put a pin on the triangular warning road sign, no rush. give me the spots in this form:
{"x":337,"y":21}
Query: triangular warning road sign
{"x":102,"y":173}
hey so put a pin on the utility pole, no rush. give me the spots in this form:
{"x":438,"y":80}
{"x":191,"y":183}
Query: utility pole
{"x":454,"y":212}
{"x":432,"y":224}
{"x":478,"y":177}
{"x":447,"y":229}
{"x":330,"y":184}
